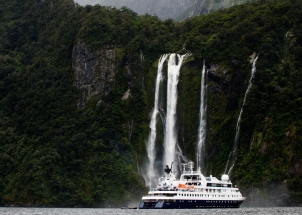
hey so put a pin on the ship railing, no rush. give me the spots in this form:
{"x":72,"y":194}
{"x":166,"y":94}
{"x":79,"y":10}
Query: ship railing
{"x":159,"y":195}
{"x":191,"y":172}
{"x":163,"y":189}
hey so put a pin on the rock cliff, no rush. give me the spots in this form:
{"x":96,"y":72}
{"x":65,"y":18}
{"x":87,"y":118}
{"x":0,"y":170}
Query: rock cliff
{"x":94,"y":71}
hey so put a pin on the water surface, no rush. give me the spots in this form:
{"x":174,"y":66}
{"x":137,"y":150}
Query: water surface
{"x":113,"y":211}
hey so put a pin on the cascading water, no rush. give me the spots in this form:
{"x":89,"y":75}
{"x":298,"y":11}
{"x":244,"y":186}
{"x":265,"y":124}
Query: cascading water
{"x":202,"y":122}
{"x":141,"y":57}
{"x":151,"y":152}
{"x":170,"y":140}
{"x":232,"y":154}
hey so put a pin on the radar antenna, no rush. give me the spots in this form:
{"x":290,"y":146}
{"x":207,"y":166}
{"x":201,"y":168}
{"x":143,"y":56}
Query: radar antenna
{"x":184,"y":166}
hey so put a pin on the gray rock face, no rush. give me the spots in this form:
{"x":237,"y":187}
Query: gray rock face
{"x":94,"y":71}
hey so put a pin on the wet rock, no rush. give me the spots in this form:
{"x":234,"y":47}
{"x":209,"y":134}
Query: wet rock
{"x":95,"y":71}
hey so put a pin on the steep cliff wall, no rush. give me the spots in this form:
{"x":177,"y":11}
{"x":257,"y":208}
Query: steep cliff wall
{"x":94,"y":71}
{"x":59,"y":147}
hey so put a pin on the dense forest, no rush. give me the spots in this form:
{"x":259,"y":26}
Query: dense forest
{"x":55,"y":152}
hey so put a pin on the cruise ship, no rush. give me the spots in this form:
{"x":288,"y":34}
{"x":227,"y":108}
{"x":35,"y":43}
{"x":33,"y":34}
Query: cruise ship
{"x":193,"y":191}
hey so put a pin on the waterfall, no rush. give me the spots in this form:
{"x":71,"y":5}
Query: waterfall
{"x":202,"y":122}
{"x":232,"y":154}
{"x":170,"y":139}
{"x":151,"y":151}
{"x":141,"y":57}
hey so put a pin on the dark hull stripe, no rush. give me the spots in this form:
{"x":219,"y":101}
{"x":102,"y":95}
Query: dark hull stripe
{"x":190,"y":204}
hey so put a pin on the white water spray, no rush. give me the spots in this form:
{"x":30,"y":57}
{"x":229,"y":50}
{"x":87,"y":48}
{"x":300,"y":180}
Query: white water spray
{"x":232,"y":155}
{"x":170,"y":141}
{"x":151,"y":151}
{"x":202,"y":122}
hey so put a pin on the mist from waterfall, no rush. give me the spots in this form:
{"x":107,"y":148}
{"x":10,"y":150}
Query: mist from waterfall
{"x":151,"y":150}
{"x":233,"y":153}
{"x":202,"y":121}
{"x":170,"y":139}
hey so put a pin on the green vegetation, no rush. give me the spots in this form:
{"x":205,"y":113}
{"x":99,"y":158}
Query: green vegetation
{"x":51,"y":152}
{"x":54,"y":153}
{"x":269,"y":141}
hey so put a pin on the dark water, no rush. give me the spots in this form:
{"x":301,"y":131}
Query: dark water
{"x":89,"y":211}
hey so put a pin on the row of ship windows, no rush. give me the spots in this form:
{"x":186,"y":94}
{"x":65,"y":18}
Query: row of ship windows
{"x":206,"y":195}
{"x":214,"y":190}
{"x":210,"y":201}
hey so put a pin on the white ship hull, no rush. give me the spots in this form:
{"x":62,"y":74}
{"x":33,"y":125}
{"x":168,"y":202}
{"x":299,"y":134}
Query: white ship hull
{"x":190,"y":204}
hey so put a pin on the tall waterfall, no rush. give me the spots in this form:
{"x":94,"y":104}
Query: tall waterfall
{"x":170,"y":140}
{"x":151,"y":151}
{"x":232,"y":154}
{"x":202,"y":122}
